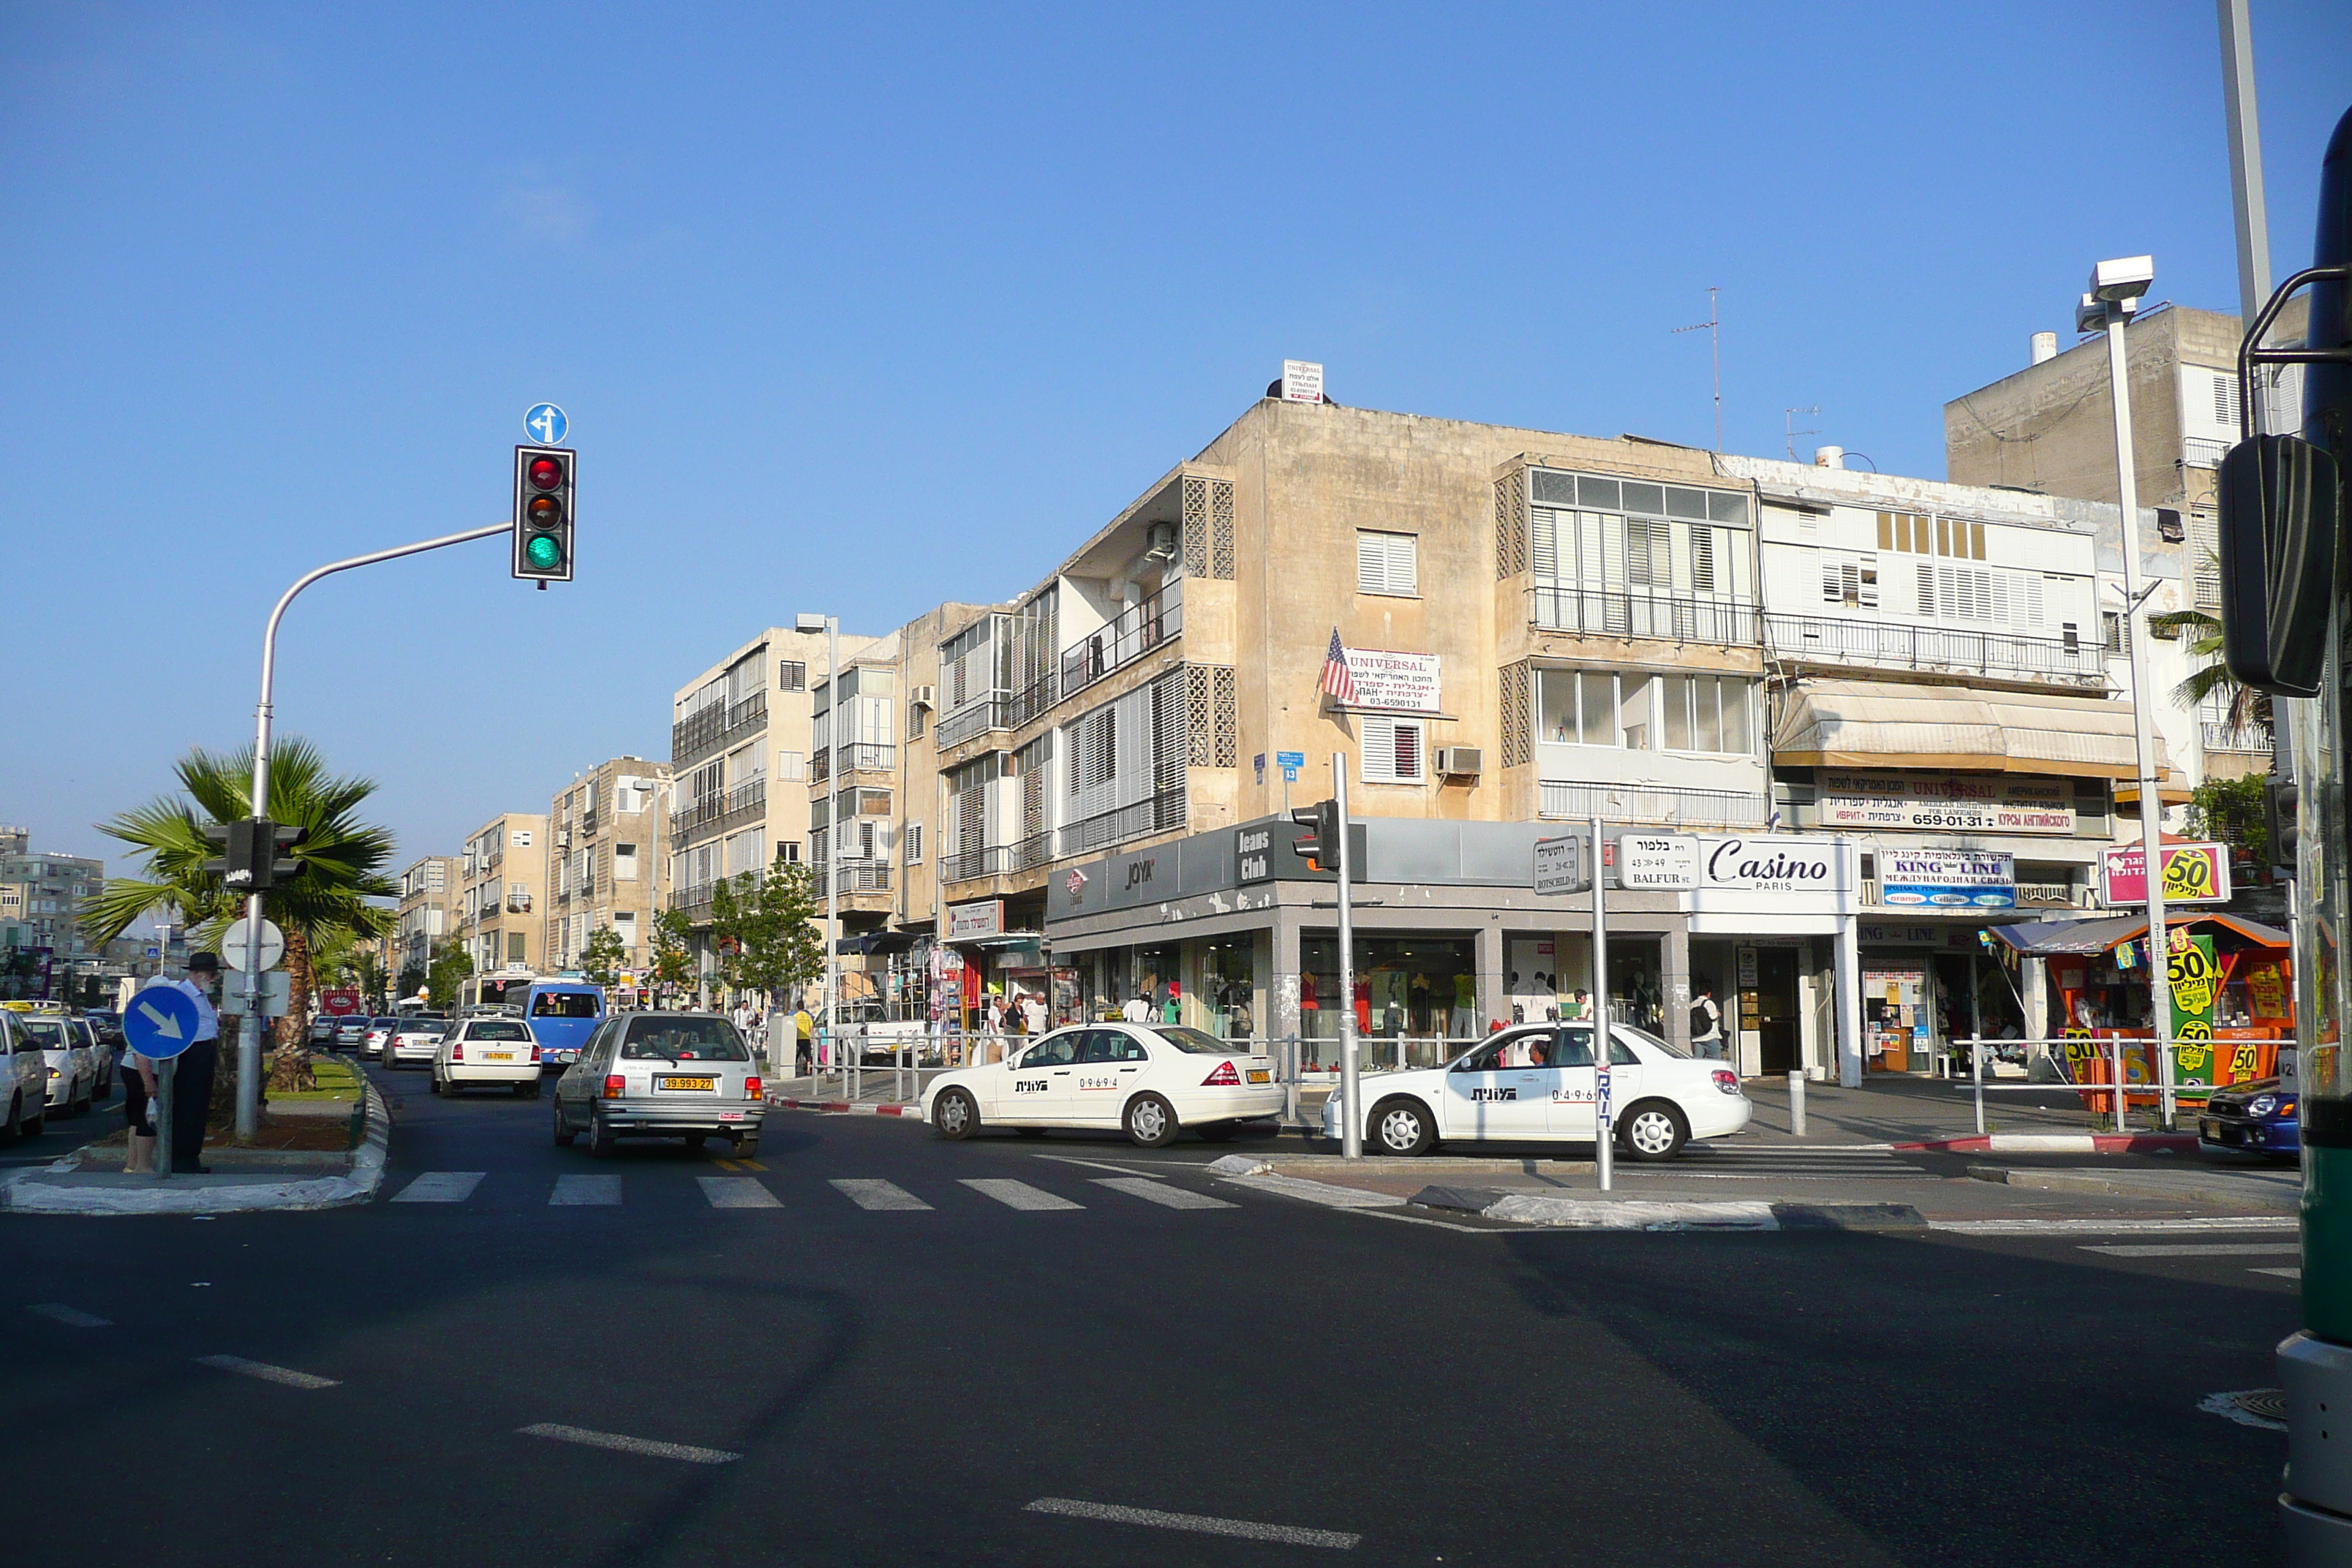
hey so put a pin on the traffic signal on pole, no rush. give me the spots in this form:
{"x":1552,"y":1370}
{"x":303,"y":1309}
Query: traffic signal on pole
{"x":542,"y":514}
{"x":284,"y":839}
{"x":2280,"y":799}
{"x":1319,"y":846}
{"x":255,"y":854}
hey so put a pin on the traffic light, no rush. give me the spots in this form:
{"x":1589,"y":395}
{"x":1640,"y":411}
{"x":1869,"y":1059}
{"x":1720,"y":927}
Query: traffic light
{"x":285,"y":837}
{"x":542,"y":514}
{"x":255,"y":854}
{"x":1319,"y":847}
{"x":233,"y":862}
{"x":2280,"y":799}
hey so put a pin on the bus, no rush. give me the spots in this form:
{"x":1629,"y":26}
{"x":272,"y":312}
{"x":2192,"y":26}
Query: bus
{"x":563,"y":1015}
{"x":504,"y":989}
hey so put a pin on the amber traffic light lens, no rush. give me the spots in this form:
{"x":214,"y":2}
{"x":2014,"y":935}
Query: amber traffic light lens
{"x":546,"y":473}
{"x":544,"y":511}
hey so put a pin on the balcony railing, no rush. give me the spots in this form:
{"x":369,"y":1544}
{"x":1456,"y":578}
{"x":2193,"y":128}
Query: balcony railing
{"x":715,"y":728}
{"x":1162,"y":813}
{"x":1835,"y":640}
{"x":2226,"y":737}
{"x":857,"y":756}
{"x":1681,"y":617}
{"x":1571,"y":802}
{"x":1137,"y":631}
{"x":970,"y":865}
{"x":858,"y":875}
{"x":992,"y":712}
{"x":714,"y":812}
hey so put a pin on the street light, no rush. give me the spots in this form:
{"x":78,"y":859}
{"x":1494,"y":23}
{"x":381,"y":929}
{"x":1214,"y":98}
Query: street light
{"x":831,"y":627}
{"x":2116,"y":288}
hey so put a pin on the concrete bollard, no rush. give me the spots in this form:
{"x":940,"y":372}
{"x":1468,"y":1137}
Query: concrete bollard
{"x":1797,"y":1102}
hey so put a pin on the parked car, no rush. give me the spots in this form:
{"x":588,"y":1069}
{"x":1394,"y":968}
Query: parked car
{"x":24,"y":1080}
{"x":323,"y":1028}
{"x":1149,"y":1081}
{"x":378,"y":1031}
{"x":415,"y":1038}
{"x":350,"y":1033}
{"x":105,"y":1052}
{"x":70,"y":1078}
{"x":1536,"y":1085}
{"x":2257,"y":1117}
{"x":109,"y":1024}
{"x":662,"y":1075}
{"x":500,"y":1052}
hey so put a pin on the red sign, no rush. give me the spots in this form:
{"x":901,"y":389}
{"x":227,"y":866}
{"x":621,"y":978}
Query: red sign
{"x":2193,"y":874}
{"x":340,"y":1003}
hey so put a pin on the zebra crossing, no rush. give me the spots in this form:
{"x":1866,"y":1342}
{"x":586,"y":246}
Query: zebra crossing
{"x":1785,"y":1162}
{"x":747,"y":1191}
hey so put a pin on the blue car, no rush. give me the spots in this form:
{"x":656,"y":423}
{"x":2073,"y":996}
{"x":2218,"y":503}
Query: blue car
{"x":2255,"y":1117}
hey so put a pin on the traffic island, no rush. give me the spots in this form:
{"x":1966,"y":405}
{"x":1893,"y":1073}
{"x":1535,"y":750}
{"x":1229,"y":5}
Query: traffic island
{"x":288,"y":1176}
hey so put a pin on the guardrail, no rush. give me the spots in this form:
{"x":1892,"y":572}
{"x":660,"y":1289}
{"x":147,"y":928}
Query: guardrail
{"x":2116,"y":1088}
{"x":1143,"y":626}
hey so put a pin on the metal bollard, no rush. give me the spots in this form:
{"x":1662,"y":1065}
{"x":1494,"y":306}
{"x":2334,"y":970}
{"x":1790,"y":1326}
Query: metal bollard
{"x":1797,"y":1103}
{"x":2119,"y":1084}
{"x":1975,"y":1068}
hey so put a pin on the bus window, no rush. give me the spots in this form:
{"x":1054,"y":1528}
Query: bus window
{"x":566,"y":1004}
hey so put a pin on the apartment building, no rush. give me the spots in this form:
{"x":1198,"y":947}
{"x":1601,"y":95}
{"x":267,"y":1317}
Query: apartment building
{"x":428,"y":895}
{"x":41,"y":899}
{"x":607,"y":859}
{"x":502,"y":885}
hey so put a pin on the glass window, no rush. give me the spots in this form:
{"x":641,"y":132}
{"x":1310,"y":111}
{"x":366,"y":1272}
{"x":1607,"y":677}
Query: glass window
{"x":1619,"y":1054}
{"x":1387,"y":562}
{"x":659,"y":1038}
{"x":1556,"y":707}
{"x":1735,"y":703}
{"x":1724,"y":505}
{"x":1633,"y":712}
{"x":1650,"y":498}
{"x":1682,"y":502}
{"x":1597,"y":694}
{"x":1194,"y":1042}
{"x":1055,"y":1050}
{"x":566,"y":1004}
{"x":1675,"y":693}
{"x":1598,"y":494}
{"x":496,"y":1029}
{"x":1576,"y":1049}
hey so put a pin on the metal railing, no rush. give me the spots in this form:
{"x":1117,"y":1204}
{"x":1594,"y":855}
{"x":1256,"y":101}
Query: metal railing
{"x":856,"y":756}
{"x":858,"y":875}
{"x":1682,"y":618}
{"x":1145,"y":625}
{"x":991,"y":712}
{"x":2226,"y":737}
{"x":694,"y":738}
{"x":2098,"y":1095}
{"x":714,"y":812}
{"x":1162,"y":813}
{"x":1572,"y":802}
{"x":971,"y":865}
{"x":1835,"y":639}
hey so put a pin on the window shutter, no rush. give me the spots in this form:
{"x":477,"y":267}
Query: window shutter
{"x":1701,"y":560}
{"x":1545,"y":544}
{"x":1832,"y":582}
{"x":1372,"y":563}
{"x":1408,"y":750}
{"x":1380,"y":749}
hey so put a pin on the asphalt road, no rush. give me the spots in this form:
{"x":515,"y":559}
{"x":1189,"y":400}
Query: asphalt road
{"x":907,"y":1384}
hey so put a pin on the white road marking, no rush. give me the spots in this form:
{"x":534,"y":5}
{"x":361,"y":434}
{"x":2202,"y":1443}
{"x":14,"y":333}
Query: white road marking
{"x":1018,"y":1194}
{"x":736,"y":1193}
{"x":2205,"y":1249}
{"x":1155,"y":1191}
{"x":71,"y":1316}
{"x":878,"y":1195}
{"x":619,"y":1443}
{"x":1095,"y":1164}
{"x":1329,"y":1194}
{"x":2113,"y":1226}
{"x":1201,"y":1524}
{"x":2295,"y":1273}
{"x":584,"y":1192}
{"x":440,"y":1187}
{"x":266,"y":1373}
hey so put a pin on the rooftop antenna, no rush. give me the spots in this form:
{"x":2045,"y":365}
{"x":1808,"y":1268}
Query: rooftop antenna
{"x":1714,"y":345}
{"x":1794,"y":432}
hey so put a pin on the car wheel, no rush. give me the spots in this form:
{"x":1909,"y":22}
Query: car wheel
{"x":955,"y":1116}
{"x":747,"y":1147}
{"x":1404,"y":1127}
{"x":15,"y":1132}
{"x":1217,"y":1131}
{"x":38,"y":1122}
{"x":1150,"y":1121}
{"x":563,"y":1133}
{"x":82,"y":1106}
{"x":600,"y":1137}
{"x":1652,"y":1130}
{"x":437,"y":1085}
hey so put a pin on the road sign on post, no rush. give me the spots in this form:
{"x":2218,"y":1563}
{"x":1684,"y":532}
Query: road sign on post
{"x":546,"y":425}
{"x":161,"y":1022}
{"x":240,"y":936}
{"x":1668,"y":860}
{"x":1562,"y":866}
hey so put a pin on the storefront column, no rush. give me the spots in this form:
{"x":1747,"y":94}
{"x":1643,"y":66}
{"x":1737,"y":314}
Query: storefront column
{"x":1676,"y":983}
{"x":1849,"y":1003}
{"x":1494,"y":1002}
{"x":1282,"y":994}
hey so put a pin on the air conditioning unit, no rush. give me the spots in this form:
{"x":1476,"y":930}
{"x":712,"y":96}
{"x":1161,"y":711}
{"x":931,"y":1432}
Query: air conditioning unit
{"x":1162,"y":541}
{"x":1460,"y":761}
{"x":925,"y":696}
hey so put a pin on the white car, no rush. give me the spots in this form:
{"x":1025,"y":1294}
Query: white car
{"x":1536,"y":1085}
{"x":1148,"y":1080}
{"x":496,"y":1051}
{"x":72,"y":1069}
{"x":414,"y":1038}
{"x":24,"y":1080}
{"x":379,"y":1030}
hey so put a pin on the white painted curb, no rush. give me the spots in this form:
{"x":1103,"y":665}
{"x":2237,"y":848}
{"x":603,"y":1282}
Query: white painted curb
{"x":1590,"y":1213}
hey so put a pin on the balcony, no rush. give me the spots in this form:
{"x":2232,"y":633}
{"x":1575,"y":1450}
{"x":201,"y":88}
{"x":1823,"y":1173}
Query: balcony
{"x":1162,"y":812}
{"x":859,"y":757}
{"x":1569,"y":801}
{"x":858,"y":875}
{"x":2227,"y":737}
{"x":716,"y":728}
{"x":1677,"y":618}
{"x":971,"y":865}
{"x":1829,"y":639}
{"x":992,"y":712}
{"x":1139,"y":628}
{"x":716,"y":812}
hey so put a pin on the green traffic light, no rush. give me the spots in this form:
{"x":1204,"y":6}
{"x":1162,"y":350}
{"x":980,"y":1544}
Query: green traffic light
{"x":544,"y":552}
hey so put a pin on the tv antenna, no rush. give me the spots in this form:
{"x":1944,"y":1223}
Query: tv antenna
{"x":1794,"y":432}
{"x":1715,"y":344}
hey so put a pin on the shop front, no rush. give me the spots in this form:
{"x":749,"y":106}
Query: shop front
{"x":1773,"y":945}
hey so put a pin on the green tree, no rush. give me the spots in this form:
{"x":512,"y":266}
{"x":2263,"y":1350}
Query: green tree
{"x":445,"y":973}
{"x":340,"y":867}
{"x":2249,"y":710}
{"x":2230,"y":812}
{"x":673,"y":963}
{"x":601,"y":958}
{"x":411,"y":975}
{"x":766,"y":928}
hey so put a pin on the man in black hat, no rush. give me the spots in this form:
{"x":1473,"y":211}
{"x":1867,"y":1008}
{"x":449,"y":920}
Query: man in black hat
{"x":192,"y":1075}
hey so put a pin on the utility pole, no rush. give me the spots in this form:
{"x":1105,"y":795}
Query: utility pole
{"x":1712,"y":326}
{"x":1351,"y":1083}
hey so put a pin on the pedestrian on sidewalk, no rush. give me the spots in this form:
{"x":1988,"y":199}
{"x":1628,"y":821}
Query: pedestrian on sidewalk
{"x":1705,"y":1027}
{"x":804,"y":1028}
{"x":192,"y":1074}
{"x":138,"y":1095}
{"x":1136,"y":1010}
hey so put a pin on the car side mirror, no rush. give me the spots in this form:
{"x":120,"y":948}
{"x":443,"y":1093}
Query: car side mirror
{"x":2279,"y":561}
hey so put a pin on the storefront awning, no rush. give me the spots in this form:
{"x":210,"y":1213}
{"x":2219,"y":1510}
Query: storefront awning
{"x":2047,"y":939}
{"x":875,"y":941}
{"x":1886,"y":724}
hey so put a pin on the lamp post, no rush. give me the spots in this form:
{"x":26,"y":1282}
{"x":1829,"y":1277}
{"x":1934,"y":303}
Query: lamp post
{"x":831,"y":627}
{"x":2116,"y":288}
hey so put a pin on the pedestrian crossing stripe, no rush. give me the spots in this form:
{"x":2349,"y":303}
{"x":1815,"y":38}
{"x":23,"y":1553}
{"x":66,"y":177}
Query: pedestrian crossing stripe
{"x":607,"y":1190}
{"x":736,"y":1193}
{"x":440,"y":1187}
{"x":1018,"y":1194}
{"x":880,"y":1196}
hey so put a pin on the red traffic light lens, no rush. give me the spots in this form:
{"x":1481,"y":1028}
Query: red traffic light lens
{"x":543,"y":512}
{"x":545,"y":473}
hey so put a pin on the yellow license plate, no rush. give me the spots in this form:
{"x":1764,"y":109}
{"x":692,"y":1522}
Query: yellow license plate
{"x":497,"y":1055}
{"x":705,"y":1084}
{"x":1260,"y":1074}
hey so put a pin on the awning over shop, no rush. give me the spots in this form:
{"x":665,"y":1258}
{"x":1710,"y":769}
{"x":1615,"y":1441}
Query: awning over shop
{"x":2048,"y":938}
{"x":876,"y":942}
{"x":1886,"y":724}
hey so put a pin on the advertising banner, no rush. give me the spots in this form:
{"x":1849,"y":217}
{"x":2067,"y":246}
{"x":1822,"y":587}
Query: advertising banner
{"x":1947,"y":803}
{"x":1946,"y":879}
{"x":1386,"y":678}
{"x":2193,"y":874}
{"x":2193,"y":980}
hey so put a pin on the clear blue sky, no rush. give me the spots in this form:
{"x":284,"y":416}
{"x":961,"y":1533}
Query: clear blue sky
{"x":859,"y":308}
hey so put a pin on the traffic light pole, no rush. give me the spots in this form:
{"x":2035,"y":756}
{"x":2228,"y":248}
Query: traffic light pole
{"x":248,"y":1038}
{"x":1351,"y":1083}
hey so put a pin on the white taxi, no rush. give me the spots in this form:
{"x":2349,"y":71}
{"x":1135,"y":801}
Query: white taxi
{"x":1146,"y":1080}
{"x":500,"y":1052}
{"x":1535,"y":1084}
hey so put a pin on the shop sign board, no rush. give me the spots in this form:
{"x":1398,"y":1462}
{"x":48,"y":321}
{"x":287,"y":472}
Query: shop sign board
{"x":338,"y":1001}
{"x":1559,"y":866}
{"x":1657,"y":860}
{"x":2193,"y":874}
{"x":2194,"y":985}
{"x":1947,"y":803}
{"x":1773,"y":863}
{"x":1385,"y":679}
{"x":966,"y":921}
{"x":1946,"y":879}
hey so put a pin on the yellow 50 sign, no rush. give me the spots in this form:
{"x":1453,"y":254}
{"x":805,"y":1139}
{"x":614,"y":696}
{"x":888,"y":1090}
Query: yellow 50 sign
{"x":2193,"y":874}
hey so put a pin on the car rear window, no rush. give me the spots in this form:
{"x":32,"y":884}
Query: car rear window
{"x":1199,"y":1042}
{"x":564,"y":1004}
{"x":384,"y":1023}
{"x":496,"y":1029}
{"x":661,"y":1039}
{"x":423,"y":1027}
{"x":49,"y":1033}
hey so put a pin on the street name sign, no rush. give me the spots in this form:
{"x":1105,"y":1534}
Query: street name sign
{"x":1561,"y":866}
{"x":1290,"y":762}
{"x":546,"y":425}
{"x":1668,"y":860}
{"x":161,"y":1022}
{"x":273,"y":944}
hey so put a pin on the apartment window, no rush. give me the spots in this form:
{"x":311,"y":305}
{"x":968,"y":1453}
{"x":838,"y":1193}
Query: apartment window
{"x":792,"y":767}
{"x":517,"y":953}
{"x":1704,"y":713}
{"x":1852,"y":579}
{"x":788,"y":850}
{"x":914,"y":844}
{"x":916,"y":721}
{"x":2115,"y":632}
{"x":624,"y":862}
{"x":1387,"y":562}
{"x":1648,"y":553}
{"x":1393,"y":751}
{"x":2205,"y":552}
{"x":1094,"y":749}
{"x":1914,"y":535}
{"x":792,"y":675}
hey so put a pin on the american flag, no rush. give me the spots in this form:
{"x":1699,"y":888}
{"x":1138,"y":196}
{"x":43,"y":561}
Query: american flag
{"x":1336,"y":679}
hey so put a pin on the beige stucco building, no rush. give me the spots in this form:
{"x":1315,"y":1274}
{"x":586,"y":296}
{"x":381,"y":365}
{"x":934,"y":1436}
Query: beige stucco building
{"x":429,"y":900}
{"x":607,"y":862}
{"x":502,"y":884}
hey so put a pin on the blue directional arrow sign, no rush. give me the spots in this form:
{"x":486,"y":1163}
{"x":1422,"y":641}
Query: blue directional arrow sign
{"x":546,"y":425}
{"x":161,"y":1022}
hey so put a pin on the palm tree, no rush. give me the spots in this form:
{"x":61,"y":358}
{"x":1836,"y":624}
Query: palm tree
{"x":2248,"y":709}
{"x":340,"y":863}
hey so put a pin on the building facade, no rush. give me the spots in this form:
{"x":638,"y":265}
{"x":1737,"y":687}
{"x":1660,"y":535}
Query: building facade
{"x":502,"y":884}
{"x":41,"y":899}
{"x":429,"y":891}
{"x":607,"y":860}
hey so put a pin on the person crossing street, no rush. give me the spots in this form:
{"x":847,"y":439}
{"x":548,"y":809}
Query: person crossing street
{"x":192,"y":1074}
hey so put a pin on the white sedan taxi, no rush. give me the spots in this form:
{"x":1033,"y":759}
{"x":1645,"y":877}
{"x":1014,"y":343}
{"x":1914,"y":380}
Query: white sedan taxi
{"x":1149,"y":1081}
{"x":1535,"y":1084}
{"x":500,"y":1052}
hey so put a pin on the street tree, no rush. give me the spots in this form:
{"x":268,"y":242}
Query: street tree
{"x":673,"y":963}
{"x":447,"y":972}
{"x":601,"y":958}
{"x":766,"y":930}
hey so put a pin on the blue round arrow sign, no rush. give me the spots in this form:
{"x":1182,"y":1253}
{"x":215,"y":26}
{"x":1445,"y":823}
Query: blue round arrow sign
{"x":546,"y":424}
{"x":160,"y":1022}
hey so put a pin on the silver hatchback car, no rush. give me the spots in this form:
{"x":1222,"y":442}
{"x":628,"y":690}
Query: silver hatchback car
{"x":662,"y":1075}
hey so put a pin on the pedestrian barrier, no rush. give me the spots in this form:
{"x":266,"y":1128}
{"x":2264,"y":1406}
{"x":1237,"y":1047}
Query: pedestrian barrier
{"x":2095,"y":1066}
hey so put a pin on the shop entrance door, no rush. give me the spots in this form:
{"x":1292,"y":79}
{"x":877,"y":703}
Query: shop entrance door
{"x":1778,"y":1042}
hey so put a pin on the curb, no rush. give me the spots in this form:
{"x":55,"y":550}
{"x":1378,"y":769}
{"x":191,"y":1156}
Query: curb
{"x":2058,"y":1144}
{"x":2181,"y":1187}
{"x":21,"y":1195}
{"x":849,"y":1107}
{"x":1649,"y":1214}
